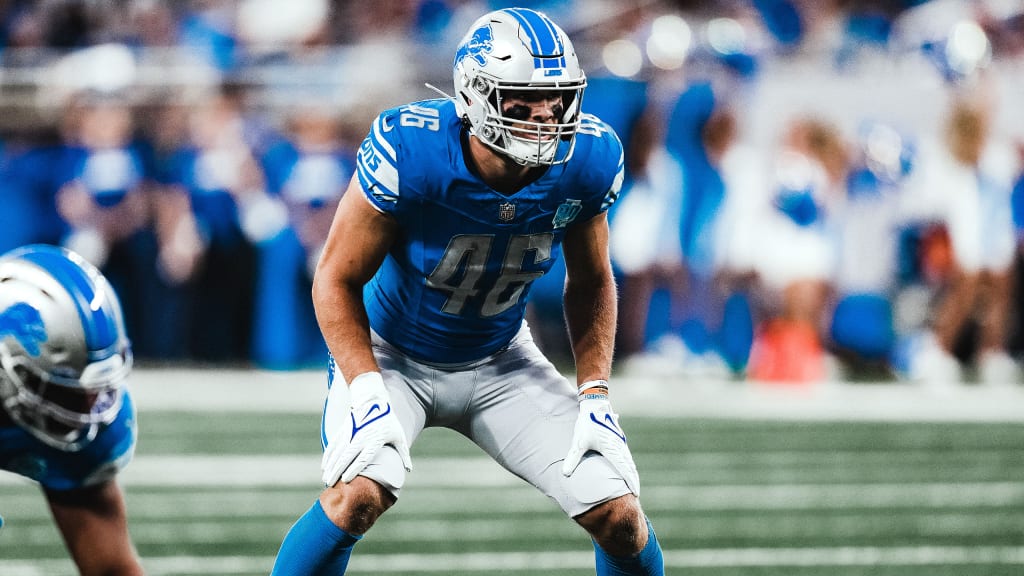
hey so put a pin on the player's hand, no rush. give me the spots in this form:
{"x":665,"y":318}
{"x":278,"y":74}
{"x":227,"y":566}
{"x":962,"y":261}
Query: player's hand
{"x":597,"y":429}
{"x":373,"y":426}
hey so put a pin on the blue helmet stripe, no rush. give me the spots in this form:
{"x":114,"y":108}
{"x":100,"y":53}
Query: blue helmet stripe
{"x":545,"y":43}
{"x":97,"y":312}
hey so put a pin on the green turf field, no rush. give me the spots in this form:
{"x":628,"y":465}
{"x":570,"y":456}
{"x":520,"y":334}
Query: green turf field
{"x":214,"y":494}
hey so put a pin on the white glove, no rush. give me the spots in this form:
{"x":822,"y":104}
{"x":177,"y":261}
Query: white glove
{"x":597,"y":429}
{"x":374,"y":425}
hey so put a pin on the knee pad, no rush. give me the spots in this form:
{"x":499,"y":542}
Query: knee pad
{"x":388,"y":470}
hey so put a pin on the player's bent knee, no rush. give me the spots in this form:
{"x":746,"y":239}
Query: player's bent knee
{"x":356,"y":506}
{"x":618,"y":526}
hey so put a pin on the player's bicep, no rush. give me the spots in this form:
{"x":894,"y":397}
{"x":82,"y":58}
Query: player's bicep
{"x":93,"y":522}
{"x":359,"y":239}
{"x":585,"y":249}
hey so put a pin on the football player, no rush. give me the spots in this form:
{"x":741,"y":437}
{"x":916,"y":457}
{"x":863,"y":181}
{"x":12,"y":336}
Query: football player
{"x":458,"y":204}
{"x":67,"y":420}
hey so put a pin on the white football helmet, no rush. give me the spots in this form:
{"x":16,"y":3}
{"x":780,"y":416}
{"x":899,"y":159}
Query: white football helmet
{"x":516,"y":50}
{"x":63,"y":347}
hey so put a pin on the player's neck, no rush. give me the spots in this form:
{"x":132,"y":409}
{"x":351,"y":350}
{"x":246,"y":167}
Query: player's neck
{"x":499,"y":172}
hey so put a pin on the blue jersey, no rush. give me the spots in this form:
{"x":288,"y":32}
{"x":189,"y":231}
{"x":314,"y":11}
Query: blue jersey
{"x":109,"y":174}
{"x":213,"y":205}
{"x":54,"y":469}
{"x":453,"y":288}
{"x":313,"y":179}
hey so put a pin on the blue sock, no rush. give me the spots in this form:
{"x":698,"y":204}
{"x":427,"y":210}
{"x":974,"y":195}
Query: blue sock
{"x":314,"y":547}
{"x":649,"y":562}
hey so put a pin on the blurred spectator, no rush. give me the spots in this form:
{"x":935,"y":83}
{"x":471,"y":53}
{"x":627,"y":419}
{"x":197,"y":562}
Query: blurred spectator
{"x":966,"y":180}
{"x":1016,"y":332}
{"x":739,"y":246}
{"x":623,"y":101}
{"x":174,"y":224}
{"x":102,"y":197}
{"x":862,"y":329}
{"x":866,"y":29}
{"x":26,"y":185}
{"x":701,"y":130}
{"x":798,"y":265}
{"x":216,"y":169}
{"x":756,"y":252}
{"x":308,"y":171}
{"x":784,"y":20}
{"x":149,"y":25}
{"x":380,"y":37}
{"x":645,"y":249}
{"x":208,"y":28}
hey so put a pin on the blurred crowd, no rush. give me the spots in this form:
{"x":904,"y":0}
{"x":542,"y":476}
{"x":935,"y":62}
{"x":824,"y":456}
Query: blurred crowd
{"x":814,"y":190}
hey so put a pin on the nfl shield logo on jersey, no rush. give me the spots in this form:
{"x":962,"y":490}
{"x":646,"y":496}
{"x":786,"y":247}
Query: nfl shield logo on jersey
{"x":506,"y":211}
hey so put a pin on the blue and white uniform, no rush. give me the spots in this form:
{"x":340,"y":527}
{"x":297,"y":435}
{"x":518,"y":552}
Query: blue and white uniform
{"x":454,"y":288}
{"x":55,"y":469}
{"x":66,"y":420}
{"x":447,"y":305}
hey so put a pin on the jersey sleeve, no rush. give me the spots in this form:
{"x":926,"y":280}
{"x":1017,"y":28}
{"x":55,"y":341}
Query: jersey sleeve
{"x":377,"y":162}
{"x":603,"y":169}
{"x":611,"y":194}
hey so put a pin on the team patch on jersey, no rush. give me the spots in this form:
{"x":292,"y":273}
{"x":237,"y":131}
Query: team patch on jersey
{"x":506,"y":211}
{"x":566,"y":213}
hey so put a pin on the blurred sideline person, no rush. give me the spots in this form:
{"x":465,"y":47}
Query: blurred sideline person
{"x":103,"y":199}
{"x":862,"y":329}
{"x":455,"y":209}
{"x":644,"y":245}
{"x":702,"y":130}
{"x":217,"y":171}
{"x":67,"y":421}
{"x":966,"y":180}
{"x":307,"y":172}
{"x":809,"y":193}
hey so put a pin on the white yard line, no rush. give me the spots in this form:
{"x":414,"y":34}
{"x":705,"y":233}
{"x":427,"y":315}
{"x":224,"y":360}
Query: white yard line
{"x":222,"y":390}
{"x":276,"y":472}
{"x":533,"y":561}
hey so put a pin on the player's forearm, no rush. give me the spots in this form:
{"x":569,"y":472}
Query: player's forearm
{"x":93,"y":522}
{"x":590,"y":315}
{"x":343,"y":322}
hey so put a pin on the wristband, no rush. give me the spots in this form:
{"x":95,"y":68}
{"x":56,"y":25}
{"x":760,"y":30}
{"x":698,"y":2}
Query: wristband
{"x":593,"y":390}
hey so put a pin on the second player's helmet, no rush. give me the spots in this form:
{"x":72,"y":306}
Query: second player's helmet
{"x":63,"y":347}
{"x":512,"y":51}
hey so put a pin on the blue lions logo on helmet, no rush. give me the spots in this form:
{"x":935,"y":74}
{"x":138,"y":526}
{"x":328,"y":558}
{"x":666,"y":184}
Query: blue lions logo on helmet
{"x":478,"y":45}
{"x":26,"y":325}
